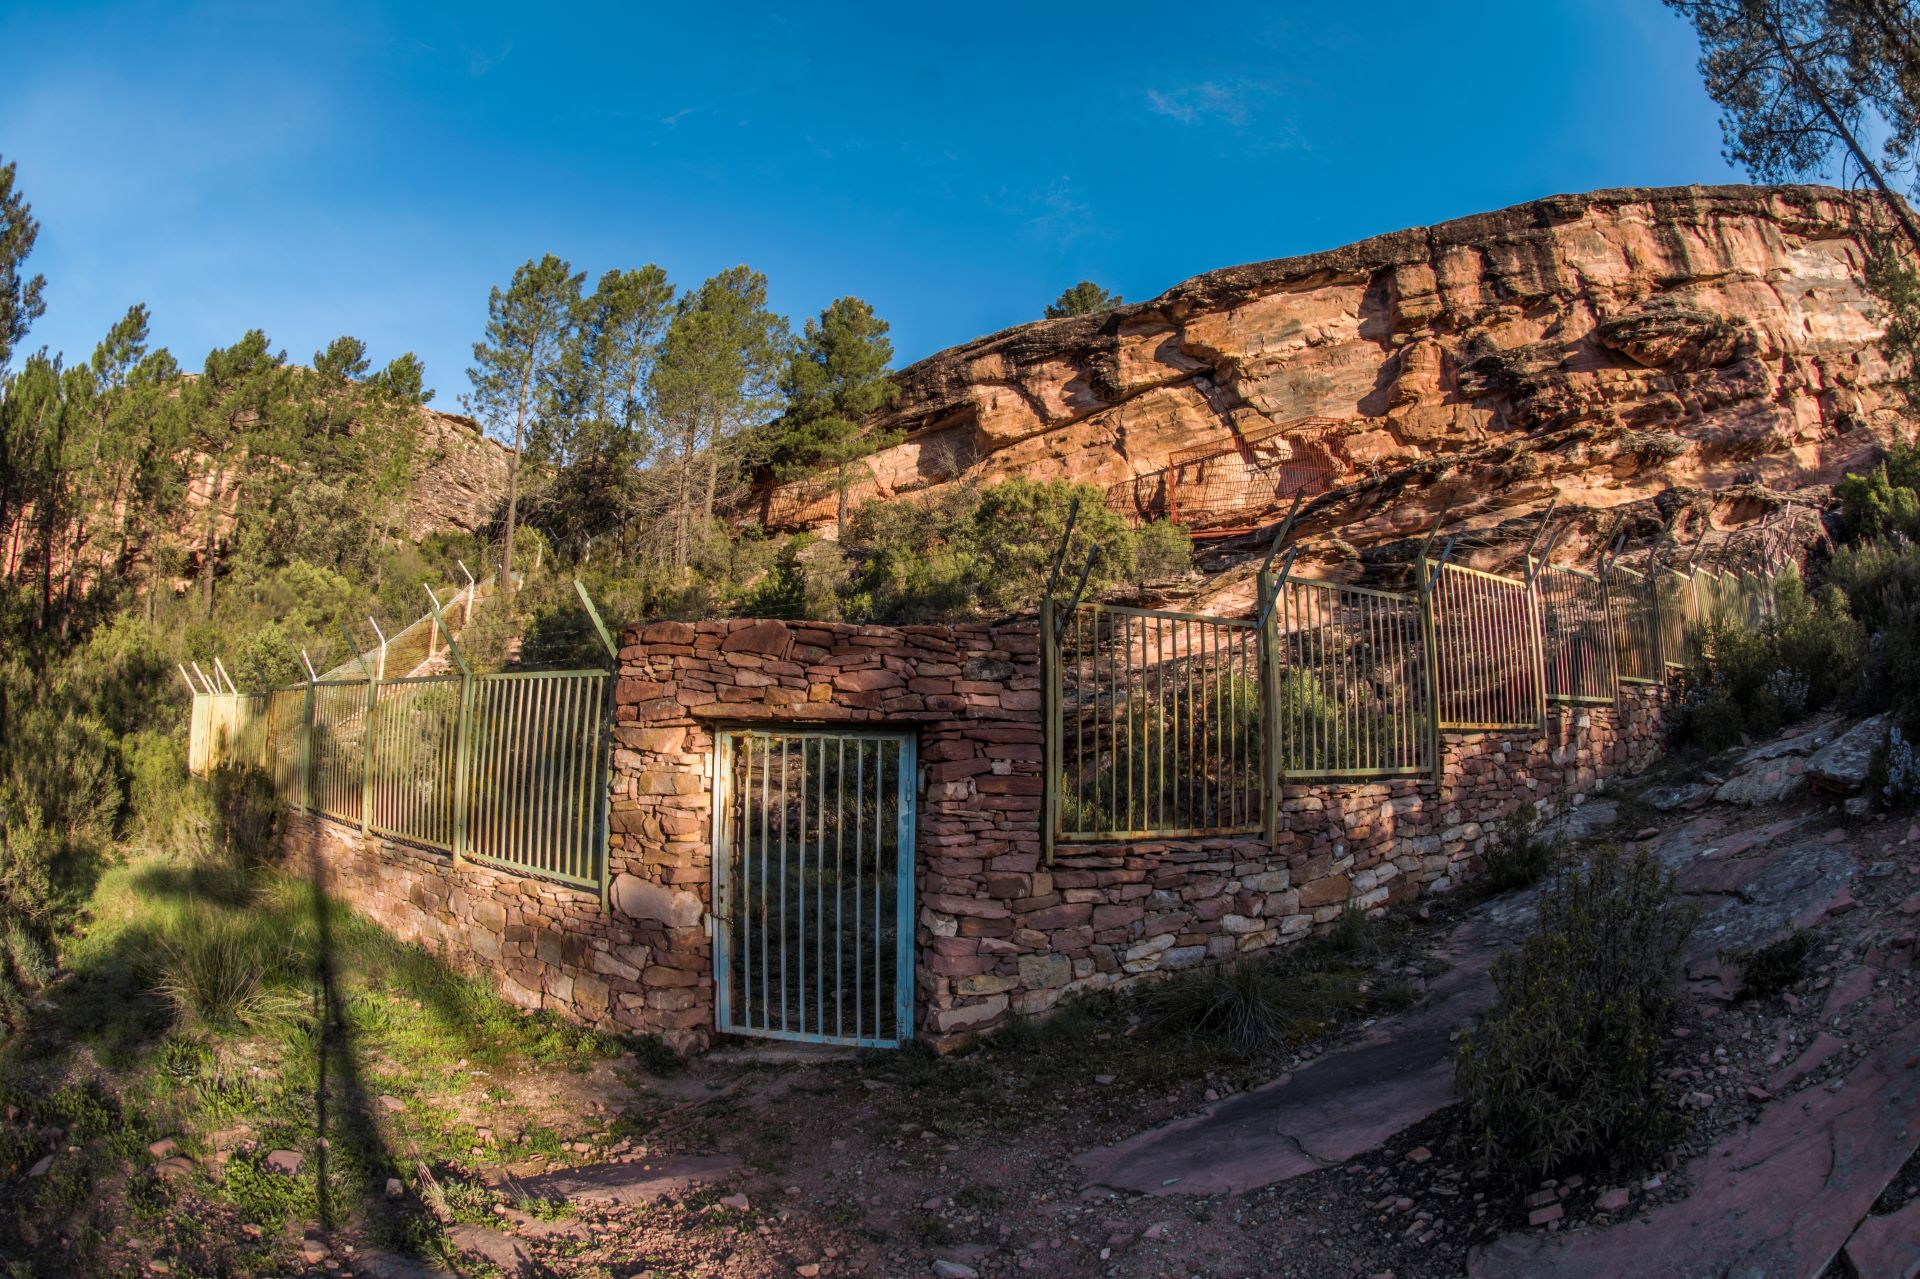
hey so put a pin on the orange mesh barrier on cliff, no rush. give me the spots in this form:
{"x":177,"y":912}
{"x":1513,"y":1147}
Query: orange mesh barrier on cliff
{"x":1230,"y":486}
{"x":817,"y":498}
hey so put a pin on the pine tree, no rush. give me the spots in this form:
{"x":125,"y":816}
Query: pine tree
{"x":1081,"y":299}
{"x":1801,"y":82}
{"x":836,"y":377}
{"x":601,"y":428}
{"x":527,"y":328}
{"x":716,"y":377}
{"x":21,"y":302}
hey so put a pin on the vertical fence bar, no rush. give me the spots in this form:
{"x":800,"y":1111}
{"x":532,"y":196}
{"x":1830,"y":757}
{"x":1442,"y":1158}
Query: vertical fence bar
{"x":1430,"y":665}
{"x":1269,"y":673}
{"x":1056,"y":772}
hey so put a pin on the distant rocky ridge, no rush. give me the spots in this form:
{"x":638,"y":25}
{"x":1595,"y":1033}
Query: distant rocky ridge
{"x":1611,"y":347}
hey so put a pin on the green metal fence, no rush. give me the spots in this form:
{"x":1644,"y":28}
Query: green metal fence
{"x":537,"y":783}
{"x":1157,"y":724}
{"x":1633,"y":606}
{"x":1487,"y":661}
{"x":508,"y":769}
{"x":337,"y":747}
{"x":1177,"y":724}
{"x":1677,"y":609}
{"x":413,"y":757}
{"x":1350,"y":693}
{"x":1577,"y":635}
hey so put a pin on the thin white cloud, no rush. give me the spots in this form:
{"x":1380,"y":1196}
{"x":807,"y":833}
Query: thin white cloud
{"x":1196,"y":103}
{"x":671,"y":120}
{"x":1062,"y":218}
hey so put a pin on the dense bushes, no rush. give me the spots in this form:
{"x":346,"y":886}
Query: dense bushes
{"x":1886,"y":500}
{"x":1563,"y":1073}
{"x":969,"y":551}
{"x":1881,"y":580}
{"x":1750,"y":682}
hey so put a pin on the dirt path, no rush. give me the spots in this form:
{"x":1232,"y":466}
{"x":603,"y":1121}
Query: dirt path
{"x":1111,"y":1154}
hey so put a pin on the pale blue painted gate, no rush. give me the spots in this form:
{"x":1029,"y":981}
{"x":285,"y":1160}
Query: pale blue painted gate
{"x":813,"y":885}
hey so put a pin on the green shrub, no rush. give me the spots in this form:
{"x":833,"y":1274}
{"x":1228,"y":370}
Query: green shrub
{"x":973,"y":551}
{"x":1518,"y":855}
{"x":1564,"y":1071}
{"x":1881,"y":581}
{"x":1886,"y":500}
{"x":1750,"y":682}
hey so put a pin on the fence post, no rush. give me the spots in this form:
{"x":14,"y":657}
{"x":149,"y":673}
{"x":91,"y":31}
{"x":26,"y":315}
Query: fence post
{"x":1430,"y":664}
{"x":306,"y":737}
{"x":1054,"y":770}
{"x":1269,"y":657}
{"x":462,"y":732}
{"x":603,"y":775}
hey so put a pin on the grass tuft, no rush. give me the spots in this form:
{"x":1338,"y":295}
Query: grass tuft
{"x":1768,"y":970}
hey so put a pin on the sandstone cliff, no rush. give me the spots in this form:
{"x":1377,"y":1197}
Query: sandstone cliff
{"x":460,"y":478}
{"x":1615,"y":347}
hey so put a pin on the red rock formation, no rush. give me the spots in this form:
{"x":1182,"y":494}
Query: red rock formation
{"x":460,"y":477}
{"x":1611,"y":346}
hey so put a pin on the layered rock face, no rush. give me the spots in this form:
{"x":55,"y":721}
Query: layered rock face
{"x":460,"y":476}
{"x":1612,"y":347}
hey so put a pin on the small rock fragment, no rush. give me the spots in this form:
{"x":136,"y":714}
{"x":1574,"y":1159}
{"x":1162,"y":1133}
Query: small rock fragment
{"x":1612,"y":1200}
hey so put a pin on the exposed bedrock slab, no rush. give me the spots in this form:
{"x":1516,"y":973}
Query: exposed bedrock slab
{"x":1318,"y":1116}
{"x":1887,"y":1247}
{"x":1844,"y":763}
{"x":627,"y":1183}
{"x":1768,"y":782}
{"x":1754,"y":884}
{"x":1778,"y":1199}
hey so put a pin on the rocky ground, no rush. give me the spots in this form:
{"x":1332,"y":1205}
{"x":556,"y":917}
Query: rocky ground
{"x":1096,"y":1146}
{"x":1003,"y":1163}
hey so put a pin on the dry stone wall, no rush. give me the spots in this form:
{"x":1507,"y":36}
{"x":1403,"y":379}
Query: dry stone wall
{"x":999,"y":932}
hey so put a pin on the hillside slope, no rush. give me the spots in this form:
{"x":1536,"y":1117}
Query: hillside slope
{"x":1613,"y":345}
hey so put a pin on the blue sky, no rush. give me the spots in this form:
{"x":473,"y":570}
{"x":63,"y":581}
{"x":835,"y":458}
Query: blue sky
{"x":373,"y":169}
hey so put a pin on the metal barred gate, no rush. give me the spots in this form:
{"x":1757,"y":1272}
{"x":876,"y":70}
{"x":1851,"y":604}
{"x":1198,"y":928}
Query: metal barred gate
{"x":813,"y":885}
